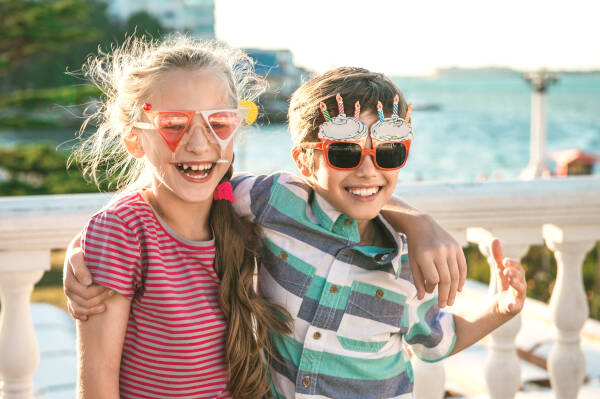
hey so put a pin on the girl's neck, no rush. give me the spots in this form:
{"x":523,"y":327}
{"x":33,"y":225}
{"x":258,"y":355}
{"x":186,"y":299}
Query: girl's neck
{"x":188,"y":219}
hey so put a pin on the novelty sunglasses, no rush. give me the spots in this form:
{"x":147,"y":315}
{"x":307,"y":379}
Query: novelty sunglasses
{"x":349,"y":155}
{"x":222,"y":123}
{"x":343,"y":139}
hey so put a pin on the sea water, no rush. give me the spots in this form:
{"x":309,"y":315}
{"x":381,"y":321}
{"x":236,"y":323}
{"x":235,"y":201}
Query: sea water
{"x":477,"y":127}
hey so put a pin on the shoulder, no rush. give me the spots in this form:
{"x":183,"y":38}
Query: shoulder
{"x":125,"y":211}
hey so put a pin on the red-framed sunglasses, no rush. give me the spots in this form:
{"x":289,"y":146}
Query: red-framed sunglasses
{"x":173,"y":125}
{"x":349,"y":155}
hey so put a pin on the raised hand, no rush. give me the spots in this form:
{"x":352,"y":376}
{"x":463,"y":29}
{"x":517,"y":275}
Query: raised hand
{"x":511,"y":282}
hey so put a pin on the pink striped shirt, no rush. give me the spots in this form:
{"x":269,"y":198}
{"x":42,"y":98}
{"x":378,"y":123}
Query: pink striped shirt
{"x":175,"y":341}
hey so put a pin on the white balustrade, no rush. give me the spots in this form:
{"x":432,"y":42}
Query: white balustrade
{"x":566,"y":363}
{"x":566,"y":211}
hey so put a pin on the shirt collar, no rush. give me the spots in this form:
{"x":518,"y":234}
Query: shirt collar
{"x":345,"y":226}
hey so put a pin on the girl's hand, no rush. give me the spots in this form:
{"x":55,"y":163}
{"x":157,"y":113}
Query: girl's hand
{"x":436,"y":258}
{"x":83,"y":297}
{"x":511,"y":282}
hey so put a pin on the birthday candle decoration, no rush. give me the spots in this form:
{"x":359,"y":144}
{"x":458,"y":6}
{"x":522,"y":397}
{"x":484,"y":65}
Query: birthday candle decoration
{"x":324,"y":111}
{"x":395,"y":111}
{"x":356,"y":110}
{"x":340,"y":105}
{"x":380,"y":111}
{"x":408,"y":112}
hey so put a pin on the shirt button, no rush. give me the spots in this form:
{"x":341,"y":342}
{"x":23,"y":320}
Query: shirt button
{"x":333,"y":289}
{"x":379,"y":293}
{"x":317,"y":335}
{"x":306,"y":382}
{"x":378,"y":257}
{"x":349,"y":222}
{"x":282,"y":255}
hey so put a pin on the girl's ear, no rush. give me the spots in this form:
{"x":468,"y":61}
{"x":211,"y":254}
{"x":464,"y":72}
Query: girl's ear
{"x":132,"y":142}
{"x":300,"y":161}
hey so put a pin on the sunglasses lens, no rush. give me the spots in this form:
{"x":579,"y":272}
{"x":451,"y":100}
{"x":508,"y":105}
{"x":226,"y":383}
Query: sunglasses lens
{"x":171,"y":126}
{"x":224,"y":123}
{"x":344,"y":155}
{"x":391,"y":155}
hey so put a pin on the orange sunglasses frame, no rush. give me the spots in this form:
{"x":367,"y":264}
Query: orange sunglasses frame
{"x":325,"y":144}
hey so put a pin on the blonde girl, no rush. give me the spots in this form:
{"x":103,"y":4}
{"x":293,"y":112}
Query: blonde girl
{"x":184,"y":320}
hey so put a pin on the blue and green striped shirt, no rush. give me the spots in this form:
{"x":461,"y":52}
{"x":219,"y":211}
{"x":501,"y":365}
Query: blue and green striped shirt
{"x":353,"y":307}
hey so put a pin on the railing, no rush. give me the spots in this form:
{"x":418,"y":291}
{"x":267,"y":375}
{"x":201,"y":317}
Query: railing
{"x":563,"y":213}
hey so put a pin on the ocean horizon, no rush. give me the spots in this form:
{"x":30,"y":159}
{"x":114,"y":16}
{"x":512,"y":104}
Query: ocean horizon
{"x":466,"y":128}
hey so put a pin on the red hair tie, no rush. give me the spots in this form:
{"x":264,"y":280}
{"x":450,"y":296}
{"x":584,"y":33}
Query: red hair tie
{"x":223,"y":192}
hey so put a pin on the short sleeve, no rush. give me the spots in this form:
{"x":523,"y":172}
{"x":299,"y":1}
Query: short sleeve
{"x":252,"y":194}
{"x":112,"y":254}
{"x":431,"y":333}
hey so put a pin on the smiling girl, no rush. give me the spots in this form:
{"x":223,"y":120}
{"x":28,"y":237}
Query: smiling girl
{"x":184,"y":321}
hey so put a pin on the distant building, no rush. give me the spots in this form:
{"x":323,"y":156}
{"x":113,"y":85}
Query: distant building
{"x":277,"y":66}
{"x":194,"y":16}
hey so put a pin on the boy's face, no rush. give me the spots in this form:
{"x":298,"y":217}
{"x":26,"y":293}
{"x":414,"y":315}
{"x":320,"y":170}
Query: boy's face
{"x":358,"y":193}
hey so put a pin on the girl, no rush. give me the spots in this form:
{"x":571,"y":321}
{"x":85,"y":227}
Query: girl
{"x":185,"y":321}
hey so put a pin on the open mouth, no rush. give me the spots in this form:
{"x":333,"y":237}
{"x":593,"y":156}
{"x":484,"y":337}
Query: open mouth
{"x":196,"y":170}
{"x":363,"y":192}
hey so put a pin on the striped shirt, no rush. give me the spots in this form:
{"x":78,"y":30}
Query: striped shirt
{"x":353,"y":307}
{"x":175,"y":341}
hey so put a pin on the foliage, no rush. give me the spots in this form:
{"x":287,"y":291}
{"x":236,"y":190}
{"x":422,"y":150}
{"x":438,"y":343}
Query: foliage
{"x":33,"y":98}
{"x":41,"y":40}
{"x":40,"y":169}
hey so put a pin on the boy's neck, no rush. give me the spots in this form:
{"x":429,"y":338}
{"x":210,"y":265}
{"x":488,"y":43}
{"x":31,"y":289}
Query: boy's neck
{"x":188,"y":219}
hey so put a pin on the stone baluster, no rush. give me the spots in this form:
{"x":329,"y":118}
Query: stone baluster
{"x":19,"y":351}
{"x":502,"y":366}
{"x":566,"y":362}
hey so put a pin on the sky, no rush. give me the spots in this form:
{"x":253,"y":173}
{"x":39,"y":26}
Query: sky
{"x":415,"y":37}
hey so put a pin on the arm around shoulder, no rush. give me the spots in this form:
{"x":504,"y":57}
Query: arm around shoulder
{"x":99,"y":349}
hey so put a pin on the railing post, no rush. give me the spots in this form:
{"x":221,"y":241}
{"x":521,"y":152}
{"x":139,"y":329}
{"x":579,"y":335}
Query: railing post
{"x":19,"y":351}
{"x":502,"y":366}
{"x":566,"y":362}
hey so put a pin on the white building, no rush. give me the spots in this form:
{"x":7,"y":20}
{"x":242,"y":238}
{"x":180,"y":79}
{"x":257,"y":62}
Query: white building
{"x":194,"y":16}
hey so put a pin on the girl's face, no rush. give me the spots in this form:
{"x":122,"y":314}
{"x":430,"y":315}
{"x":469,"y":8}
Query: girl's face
{"x":192,"y":172}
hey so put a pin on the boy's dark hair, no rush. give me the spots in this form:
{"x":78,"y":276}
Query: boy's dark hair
{"x":353,"y":84}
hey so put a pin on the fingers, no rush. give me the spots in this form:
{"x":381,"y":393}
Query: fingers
{"x":418,"y":279}
{"x":454,"y":279}
{"x":445,"y":282}
{"x":516,"y":276}
{"x":81,"y":272}
{"x":428,"y":271}
{"x":462,"y":268}
{"x":498,"y":256}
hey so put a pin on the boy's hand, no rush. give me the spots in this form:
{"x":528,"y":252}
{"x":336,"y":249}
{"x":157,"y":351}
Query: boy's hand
{"x":435,"y":258}
{"x":511,"y":282}
{"x":83,"y":297}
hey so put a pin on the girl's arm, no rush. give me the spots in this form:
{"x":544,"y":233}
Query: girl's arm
{"x":100,"y":345}
{"x":435,"y":256}
{"x":507,"y":304}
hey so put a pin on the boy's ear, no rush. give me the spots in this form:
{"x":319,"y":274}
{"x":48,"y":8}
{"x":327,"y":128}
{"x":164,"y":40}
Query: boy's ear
{"x":300,"y":161}
{"x":132,"y":142}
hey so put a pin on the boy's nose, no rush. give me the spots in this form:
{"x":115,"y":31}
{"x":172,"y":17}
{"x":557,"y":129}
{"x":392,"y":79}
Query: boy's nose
{"x":367,"y":167}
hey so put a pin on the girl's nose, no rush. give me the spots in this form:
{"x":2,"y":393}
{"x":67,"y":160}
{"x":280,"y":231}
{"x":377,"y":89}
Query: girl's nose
{"x":198,"y":139}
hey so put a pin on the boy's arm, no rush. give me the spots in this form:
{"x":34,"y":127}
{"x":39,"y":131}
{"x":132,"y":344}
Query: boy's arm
{"x":83,"y":297}
{"x":435,"y":256}
{"x":508,"y":303}
{"x":100,"y":345}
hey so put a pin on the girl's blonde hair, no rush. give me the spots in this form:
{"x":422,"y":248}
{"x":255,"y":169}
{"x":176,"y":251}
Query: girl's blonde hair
{"x":126,"y":76}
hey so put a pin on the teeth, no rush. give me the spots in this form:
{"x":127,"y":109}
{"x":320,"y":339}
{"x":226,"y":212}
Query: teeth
{"x":363,"y":192}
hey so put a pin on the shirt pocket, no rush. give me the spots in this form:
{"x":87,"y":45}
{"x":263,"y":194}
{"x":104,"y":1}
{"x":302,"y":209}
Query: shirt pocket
{"x":372,"y":319}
